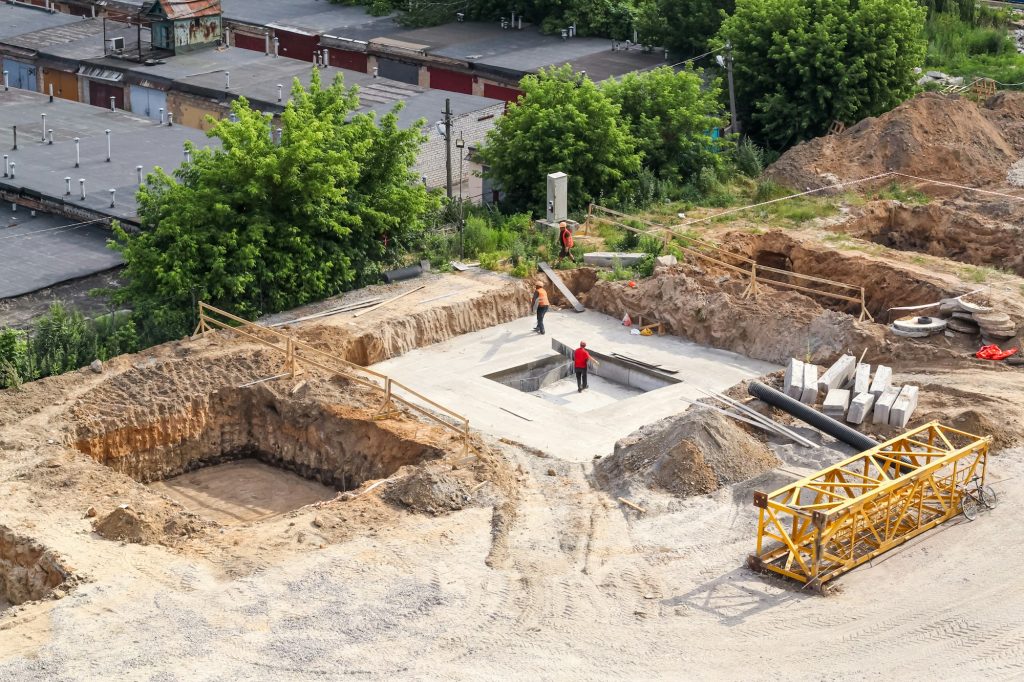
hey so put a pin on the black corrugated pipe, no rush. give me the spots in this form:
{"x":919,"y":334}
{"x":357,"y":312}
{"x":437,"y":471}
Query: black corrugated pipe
{"x":403,"y":273}
{"x":807,"y":414}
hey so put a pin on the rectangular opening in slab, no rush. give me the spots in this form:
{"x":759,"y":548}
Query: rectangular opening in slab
{"x":29,"y":571}
{"x":554,"y":379}
{"x":239,"y":455}
{"x":242,"y":491}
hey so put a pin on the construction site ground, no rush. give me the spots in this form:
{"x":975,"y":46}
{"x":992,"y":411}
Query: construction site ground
{"x":518,"y":560}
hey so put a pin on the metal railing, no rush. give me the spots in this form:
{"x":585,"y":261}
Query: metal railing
{"x":713,"y":253}
{"x":841,"y":517}
{"x":298,"y":353}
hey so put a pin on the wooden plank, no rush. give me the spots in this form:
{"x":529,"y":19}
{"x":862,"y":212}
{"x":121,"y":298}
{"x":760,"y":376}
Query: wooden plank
{"x":560,"y":285}
{"x":632,"y":505}
{"x":390,"y":300}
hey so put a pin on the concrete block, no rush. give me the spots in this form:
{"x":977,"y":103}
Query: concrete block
{"x":883,"y":405}
{"x":667,"y":260}
{"x":605,"y":259}
{"x":903,"y":407}
{"x":837,"y":374}
{"x":793,"y":383}
{"x":860,"y":407}
{"x":836,"y":403}
{"x":861,"y":378}
{"x":882,"y":380}
{"x":810,"y":394}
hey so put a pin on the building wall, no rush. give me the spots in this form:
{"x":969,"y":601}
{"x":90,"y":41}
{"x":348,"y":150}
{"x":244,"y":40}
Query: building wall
{"x":65,"y":85}
{"x":345,"y":59}
{"x":190,"y":34}
{"x":190,"y":110}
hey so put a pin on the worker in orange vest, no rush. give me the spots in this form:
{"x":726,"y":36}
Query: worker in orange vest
{"x":540,"y":303}
{"x":565,"y":239}
{"x":580,"y":359}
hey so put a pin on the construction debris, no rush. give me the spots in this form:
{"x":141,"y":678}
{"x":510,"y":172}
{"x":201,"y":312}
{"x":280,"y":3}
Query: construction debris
{"x":903,"y":407}
{"x":860,"y":407}
{"x":882,"y":380}
{"x":838,"y":374}
{"x":883,"y":405}
{"x":837,"y":402}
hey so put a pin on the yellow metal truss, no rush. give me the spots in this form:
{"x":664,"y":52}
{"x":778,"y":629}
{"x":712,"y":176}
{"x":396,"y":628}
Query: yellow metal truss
{"x":831,"y":522}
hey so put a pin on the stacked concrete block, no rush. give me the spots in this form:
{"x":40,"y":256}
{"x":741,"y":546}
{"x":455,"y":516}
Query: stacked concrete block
{"x":860,"y":407}
{"x":836,"y":403}
{"x":793,"y":383}
{"x":861,"y":378}
{"x":883,"y":405}
{"x":838,"y":374}
{"x":903,"y":407}
{"x":810,"y":393}
{"x":882,"y":380}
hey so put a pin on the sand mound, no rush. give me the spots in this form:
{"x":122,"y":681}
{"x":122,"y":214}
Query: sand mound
{"x":127,"y":525}
{"x":689,"y":454}
{"x":932,"y":135}
{"x":429,"y":492}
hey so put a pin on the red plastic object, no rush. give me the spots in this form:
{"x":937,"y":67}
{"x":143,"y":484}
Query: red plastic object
{"x":993,"y":352}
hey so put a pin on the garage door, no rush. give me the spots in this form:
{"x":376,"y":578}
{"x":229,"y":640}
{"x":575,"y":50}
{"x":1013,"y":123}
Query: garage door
{"x":20,"y":74}
{"x":296,"y":45}
{"x":343,"y":59}
{"x":147,"y":101}
{"x":100,"y":94}
{"x":249,"y":42}
{"x":65,"y":85}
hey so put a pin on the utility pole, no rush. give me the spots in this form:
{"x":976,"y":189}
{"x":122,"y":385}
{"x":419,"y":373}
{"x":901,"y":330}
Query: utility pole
{"x":448,"y":143}
{"x":735,"y":125}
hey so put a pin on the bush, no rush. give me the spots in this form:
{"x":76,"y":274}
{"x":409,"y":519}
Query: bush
{"x":749,"y":158}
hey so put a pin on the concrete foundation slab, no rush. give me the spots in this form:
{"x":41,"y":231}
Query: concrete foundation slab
{"x":606,"y":259}
{"x":860,"y":407}
{"x":836,"y":375}
{"x":810,"y":392}
{"x":566,"y":424}
{"x":836,"y":403}
{"x":903,"y":407}
{"x":793,"y":383}
{"x":883,"y":404}
{"x":861,"y":378}
{"x":882,"y":380}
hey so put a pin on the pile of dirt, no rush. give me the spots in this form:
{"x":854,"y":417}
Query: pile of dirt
{"x":127,"y":525}
{"x":429,"y":491}
{"x":710,"y":309}
{"x":933,"y":136}
{"x":694,"y":453}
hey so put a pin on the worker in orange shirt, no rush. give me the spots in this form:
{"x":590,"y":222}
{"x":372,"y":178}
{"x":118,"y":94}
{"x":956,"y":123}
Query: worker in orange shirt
{"x":580,"y":359}
{"x":565,"y":239}
{"x":540,"y":304}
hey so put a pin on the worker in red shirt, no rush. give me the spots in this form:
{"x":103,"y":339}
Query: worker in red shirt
{"x":565,"y":239}
{"x":580,"y":358}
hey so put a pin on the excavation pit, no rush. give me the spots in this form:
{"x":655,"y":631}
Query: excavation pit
{"x":240,"y":455}
{"x":29,"y":571}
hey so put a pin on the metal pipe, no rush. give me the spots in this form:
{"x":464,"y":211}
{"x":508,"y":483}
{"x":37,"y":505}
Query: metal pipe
{"x":81,"y":186}
{"x":113,"y":103}
{"x":67,"y":186}
{"x":51,"y":92}
{"x":51,"y":135}
{"x":403,"y":274}
{"x":280,"y":92}
{"x":42,"y":135}
{"x":78,"y":153}
{"x":138,"y":171}
{"x":170,"y":118}
{"x":811,"y":416}
{"x":107,"y":131}
{"x":12,"y":170}
{"x":161,"y":115}
{"x":112,"y":193}
{"x":7,"y":165}
{"x":7,"y":82}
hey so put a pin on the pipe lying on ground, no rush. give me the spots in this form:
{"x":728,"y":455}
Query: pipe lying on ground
{"x":811,"y":416}
{"x":407,"y":272}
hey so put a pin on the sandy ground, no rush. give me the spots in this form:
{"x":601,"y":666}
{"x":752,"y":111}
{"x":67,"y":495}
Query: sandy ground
{"x":242,"y":491}
{"x":541,"y":576}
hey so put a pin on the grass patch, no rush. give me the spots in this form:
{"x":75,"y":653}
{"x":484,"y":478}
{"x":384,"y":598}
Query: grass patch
{"x":977,"y":274}
{"x":897,"y":192}
{"x":979,"y":48}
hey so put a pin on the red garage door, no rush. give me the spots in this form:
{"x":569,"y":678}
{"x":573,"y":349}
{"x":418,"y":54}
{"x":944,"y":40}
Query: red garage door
{"x":343,"y":59}
{"x":501,"y":92}
{"x":249,"y":42}
{"x":100,"y":94}
{"x":296,"y":45}
{"x":442,"y":79}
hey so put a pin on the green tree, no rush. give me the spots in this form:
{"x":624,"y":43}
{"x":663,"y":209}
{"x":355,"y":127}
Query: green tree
{"x":682,"y":26}
{"x":562,"y":123}
{"x":800,"y":64}
{"x":258,"y":226}
{"x":671,"y":115}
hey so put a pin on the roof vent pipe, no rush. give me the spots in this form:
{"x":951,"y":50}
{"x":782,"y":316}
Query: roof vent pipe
{"x":7,"y":165}
{"x":107,"y":131}
{"x":280,"y":92}
{"x":277,"y":46}
{"x":7,"y":82}
{"x":266,"y":45}
{"x":67,"y":186}
{"x":375,"y":71}
{"x":43,"y":135}
{"x":112,"y":193}
{"x":170,"y":118}
{"x":227,"y":80}
{"x":78,"y":154}
{"x":81,"y":186}
{"x":520,"y":22}
{"x":113,"y":104}
{"x":12,"y":170}
{"x":161,"y":115}
{"x":138,"y":172}
{"x":51,"y":92}
{"x":50,"y":131}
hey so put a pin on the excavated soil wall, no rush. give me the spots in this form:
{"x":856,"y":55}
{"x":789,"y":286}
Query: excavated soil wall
{"x":886,"y":286}
{"x":942,"y":230}
{"x":340,"y":448}
{"x":28,"y":570}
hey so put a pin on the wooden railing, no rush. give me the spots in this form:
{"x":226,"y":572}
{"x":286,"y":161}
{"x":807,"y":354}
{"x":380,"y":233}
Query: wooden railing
{"x":712,"y":253}
{"x":299,"y":353}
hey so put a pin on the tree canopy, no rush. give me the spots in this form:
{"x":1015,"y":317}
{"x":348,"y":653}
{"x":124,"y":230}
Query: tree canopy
{"x":260,"y":225}
{"x":800,"y":64}
{"x":671,"y":115}
{"x":563,"y":122}
{"x":682,"y":26}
